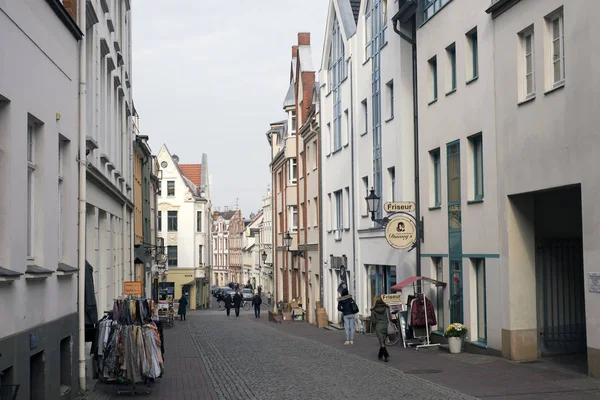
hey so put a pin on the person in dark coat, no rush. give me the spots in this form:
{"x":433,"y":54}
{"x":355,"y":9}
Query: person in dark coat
{"x":237,"y":303}
{"x":183,"y":303}
{"x":228,"y":302}
{"x":380,"y":317}
{"x":256,"y":302}
{"x":346,"y":307}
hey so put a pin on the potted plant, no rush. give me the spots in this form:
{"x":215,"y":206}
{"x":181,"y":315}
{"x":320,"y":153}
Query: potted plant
{"x":455,"y":333}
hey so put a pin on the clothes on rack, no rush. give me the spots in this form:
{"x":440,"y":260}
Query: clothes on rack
{"x":130,"y":346}
{"x":417,"y":312}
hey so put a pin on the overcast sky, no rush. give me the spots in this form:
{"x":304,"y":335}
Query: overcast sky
{"x":209,"y":77}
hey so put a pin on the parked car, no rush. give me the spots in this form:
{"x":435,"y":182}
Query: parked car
{"x":247,"y":294}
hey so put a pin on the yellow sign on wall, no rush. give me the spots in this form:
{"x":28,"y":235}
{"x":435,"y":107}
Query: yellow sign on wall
{"x":401,"y":232}
{"x":394,"y":299}
{"x":399,"y":206}
{"x":132,"y":288}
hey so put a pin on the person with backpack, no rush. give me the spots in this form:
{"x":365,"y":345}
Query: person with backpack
{"x":256,"y":302}
{"x":349,"y":309}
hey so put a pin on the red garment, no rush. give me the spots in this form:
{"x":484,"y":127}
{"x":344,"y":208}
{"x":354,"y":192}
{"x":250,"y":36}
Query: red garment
{"x":417,"y":312}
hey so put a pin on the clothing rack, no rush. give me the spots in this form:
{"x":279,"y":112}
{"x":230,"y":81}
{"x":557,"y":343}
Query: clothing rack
{"x":130,"y":342}
{"x":427,"y":334}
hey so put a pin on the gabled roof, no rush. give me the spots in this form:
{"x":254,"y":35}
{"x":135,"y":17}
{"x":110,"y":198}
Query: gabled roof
{"x":193,"y":172}
{"x":347,"y":13}
{"x":191,"y":185}
{"x":290,"y":97}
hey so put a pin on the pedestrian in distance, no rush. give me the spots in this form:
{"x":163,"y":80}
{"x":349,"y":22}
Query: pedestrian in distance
{"x":228,"y":302}
{"x":256,"y":302}
{"x":347,"y":306}
{"x":237,"y":302}
{"x":380,"y":318}
{"x":183,"y":303}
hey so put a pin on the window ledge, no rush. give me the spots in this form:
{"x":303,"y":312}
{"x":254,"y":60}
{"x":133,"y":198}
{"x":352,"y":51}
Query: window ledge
{"x":367,"y":60}
{"x":527,"y":100}
{"x":336,"y":151}
{"x":389,"y":119}
{"x":435,"y":208}
{"x":479,"y":344}
{"x":364,"y":133}
{"x":314,"y":169}
{"x":559,"y":86}
{"x":472,"y":80}
{"x":346,"y":145}
{"x":450,"y":92}
{"x":432,"y":101}
{"x":476,"y":201}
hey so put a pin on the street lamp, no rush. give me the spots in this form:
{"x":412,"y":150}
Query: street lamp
{"x":373,"y":203}
{"x":288,"y":243}
{"x":264,"y":257}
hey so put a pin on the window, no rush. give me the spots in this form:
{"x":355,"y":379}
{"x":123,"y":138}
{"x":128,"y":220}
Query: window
{"x":436,"y":188}
{"x":477,"y":148}
{"x":293,"y":171}
{"x":61,"y":195}
{"x":315,"y":157}
{"x":528,"y":63}
{"x":363,"y":204}
{"x":200,"y":255}
{"x":198,"y":221}
{"x":479,"y":265}
{"x":172,"y":221}
{"x":433,"y":79}
{"x":337,"y":66}
{"x":347,"y":128}
{"x":347,"y":216}
{"x":172,"y":256}
{"x":555,"y":25}
{"x":473,"y":55}
{"x":293,"y":218}
{"x":170,"y":188}
{"x":339,"y":210}
{"x":431,"y":7}
{"x":160,"y":221}
{"x":329,"y":139}
{"x":368,"y":30}
{"x":293,"y":123}
{"x":390,"y":92}
{"x":159,"y":193}
{"x":439,"y":293}
{"x":392,"y":175}
{"x":454,"y":195}
{"x":316,"y":212}
{"x":365,"y":113}
{"x":31,"y":167}
{"x":451,"y":71}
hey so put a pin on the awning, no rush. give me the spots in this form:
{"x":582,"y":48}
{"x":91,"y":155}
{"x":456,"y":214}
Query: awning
{"x":399,"y":286}
{"x":191,"y":283}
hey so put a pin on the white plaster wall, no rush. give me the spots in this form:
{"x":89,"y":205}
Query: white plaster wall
{"x":37,"y":49}
{"x":553,"y":140}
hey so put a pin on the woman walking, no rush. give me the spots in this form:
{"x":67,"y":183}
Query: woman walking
{"x":348,"y":308}
{"x":380,"y":317}
{"x":182,"y":307}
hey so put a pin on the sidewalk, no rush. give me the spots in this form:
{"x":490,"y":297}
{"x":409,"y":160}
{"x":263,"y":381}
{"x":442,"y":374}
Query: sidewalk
{"x":477,"y":375}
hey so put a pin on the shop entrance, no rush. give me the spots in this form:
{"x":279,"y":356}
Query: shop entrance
{"x":560,"y":287}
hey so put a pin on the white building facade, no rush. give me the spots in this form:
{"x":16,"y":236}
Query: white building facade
{"x":183,"y":223}
{"x":109,"y":138}
{"x":266,"y":243}
{"x":367,"y":142}
{"x":38,"y":215}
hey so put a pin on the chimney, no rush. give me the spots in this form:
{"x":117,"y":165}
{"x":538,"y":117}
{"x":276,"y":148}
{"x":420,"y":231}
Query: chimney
{"x":294,"y":51}
{"x":303,"y":39}
{"x":71,"y":7}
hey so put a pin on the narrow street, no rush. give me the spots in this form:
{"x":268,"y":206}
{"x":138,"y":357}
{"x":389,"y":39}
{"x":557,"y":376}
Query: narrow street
{"x":211,"y":356}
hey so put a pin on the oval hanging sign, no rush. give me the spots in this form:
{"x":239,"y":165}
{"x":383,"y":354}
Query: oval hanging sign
{"x":401,"y":232}
{"x":399,"y":206}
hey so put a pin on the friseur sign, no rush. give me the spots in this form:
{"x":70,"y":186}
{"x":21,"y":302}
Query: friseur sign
{"x":399,"y":206}
{"x":401,"y":232}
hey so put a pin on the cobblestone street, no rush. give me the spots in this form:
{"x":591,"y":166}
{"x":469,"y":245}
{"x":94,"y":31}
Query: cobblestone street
{"x":211,"y":356}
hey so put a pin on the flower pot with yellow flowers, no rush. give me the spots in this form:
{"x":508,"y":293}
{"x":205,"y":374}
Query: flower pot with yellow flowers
{"x":455,"y":334}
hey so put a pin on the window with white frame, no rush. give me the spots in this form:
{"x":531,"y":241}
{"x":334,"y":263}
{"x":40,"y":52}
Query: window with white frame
{"x":480,"y":299}
{"x":198,"y":221}
{"x":451,"y":69}
{"x":293,"y":123}
{"x":392,"y":177}
{"x":31,"y":185}
{"x":436,"y":178}
{"x":329,"y":141}
{"x":172,"y":221}
{"x":170,"y":188}
{"x":330,"y":213}
{"x":365,"y":114}
{"x":364,"y":211}
{"x":339,"y":210}
{"x":476,"y":145}
{"x":346,"y":135}
{"x":293,"y":218}
{"x":200,"y":254}
{"x":390,"y":95}
{"x":293,"y":171}
{"x":347,"y":215}
{"x":316,"y":212}
{"x":172,"y":256}
{"x":472,"y":61}
{"x":556,"y":33}
{"x":315,"y":157}
{"x":433,"y":79}
{"x":159,"y":224}
{"x":527,"y":70}
{"x":61,"y":195}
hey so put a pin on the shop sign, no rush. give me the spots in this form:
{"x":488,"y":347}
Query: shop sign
{"x":399,"y":206}
{"x":132,"y":288}
{"x":394,"y":299}
{"x":401,"y":232}
{"x":188,"y":276}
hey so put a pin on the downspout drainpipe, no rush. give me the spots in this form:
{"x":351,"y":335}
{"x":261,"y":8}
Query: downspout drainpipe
{"x":353,"y":193}
{"x":413,"y":43}
{"x":81,"y":7}
{"x":321,"y":227}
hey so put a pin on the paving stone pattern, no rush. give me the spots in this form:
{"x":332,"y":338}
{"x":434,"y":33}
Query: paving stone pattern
{"x":245,"y":360}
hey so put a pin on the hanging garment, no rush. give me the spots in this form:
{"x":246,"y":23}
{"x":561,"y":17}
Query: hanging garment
{"x":417,"y":312}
